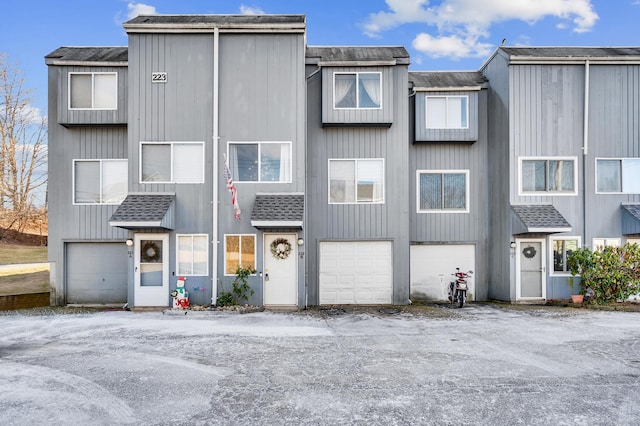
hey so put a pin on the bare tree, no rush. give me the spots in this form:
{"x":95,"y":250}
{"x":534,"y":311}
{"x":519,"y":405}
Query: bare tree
{"x":23,"y":149}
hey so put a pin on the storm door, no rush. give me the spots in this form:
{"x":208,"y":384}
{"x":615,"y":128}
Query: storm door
{"x":530,"y":267}
{"x":151,"y":270}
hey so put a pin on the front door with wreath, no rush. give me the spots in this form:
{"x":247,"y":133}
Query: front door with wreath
{"x":280,"y":270}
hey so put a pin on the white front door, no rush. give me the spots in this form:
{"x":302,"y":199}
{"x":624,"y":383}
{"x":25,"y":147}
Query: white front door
{"x":531,"y":283}
{"x":151,"y":267}
{"x":280,"y":269}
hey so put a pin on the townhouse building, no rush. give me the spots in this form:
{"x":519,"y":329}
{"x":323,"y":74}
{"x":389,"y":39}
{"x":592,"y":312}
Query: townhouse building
{"x":213,"y":141}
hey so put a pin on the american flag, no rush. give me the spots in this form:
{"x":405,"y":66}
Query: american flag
{"x":232,"y":189}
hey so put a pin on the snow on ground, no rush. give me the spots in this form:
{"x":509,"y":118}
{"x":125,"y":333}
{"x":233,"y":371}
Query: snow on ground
{"x":478,"y":365}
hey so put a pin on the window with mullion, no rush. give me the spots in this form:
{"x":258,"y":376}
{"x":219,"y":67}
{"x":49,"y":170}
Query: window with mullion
{"x":359,"y":90}
{"x":171,"y":162}
{"x":548,"y":175}
{"x":260,"y":161}
{"x":356,"y":181}
{"x":193,"y":254}
{"x":239,"y":250}
{"x":561,"y":249}
{"x":97,"y":91}
{"x":447,"y":112}
{"x":618,"y":175}
{"x":443,"y":191}
{"x":99,"y":181}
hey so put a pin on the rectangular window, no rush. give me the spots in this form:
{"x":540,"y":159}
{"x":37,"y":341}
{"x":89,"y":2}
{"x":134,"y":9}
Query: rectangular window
{"x":260,"y":161}
{"x":98,"y":90}
{"x":443,"y":191}
{"x":561,"y":248}
{"x":172,"y":162}
{"x":447,"y":112}
{"x":600,"y":243}
{"x":99,"y":181}
{"x":239,"y":250}
{"x":618,"y":175}
{"x":356,"y":181}
{"x":550,"y":175}
{"x":360,"y":90}
{"x":193,"y":254}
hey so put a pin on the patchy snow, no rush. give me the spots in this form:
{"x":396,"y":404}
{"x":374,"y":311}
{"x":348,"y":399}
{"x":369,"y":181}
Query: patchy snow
{"x":477,"y":365}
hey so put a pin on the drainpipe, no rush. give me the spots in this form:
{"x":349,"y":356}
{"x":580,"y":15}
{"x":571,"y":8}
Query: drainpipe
{"x":585,"y":150}
{"x":216,"y":137}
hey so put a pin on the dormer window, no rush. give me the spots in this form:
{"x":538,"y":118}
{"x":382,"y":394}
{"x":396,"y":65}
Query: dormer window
{"x":359,"y":90}
{"x":447,"y":112}
{"x":93,"y":90}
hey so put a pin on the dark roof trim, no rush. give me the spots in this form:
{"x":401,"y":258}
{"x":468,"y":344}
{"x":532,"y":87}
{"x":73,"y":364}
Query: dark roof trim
{"x":444,"y":81}
{"x":356,"y":56}
{"x":145,"y":211}
{"x":537,"y":219}
{"x":115,"y":56}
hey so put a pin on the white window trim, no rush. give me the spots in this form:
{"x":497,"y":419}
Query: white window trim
{"x":93,"y":74}
{"x":355,"y":160}
{"x":172,"y":143}
{"x":73,"y":179}
{"x":550,"y":260}
{"x":447,"y":97}
{"x":607,"y":242}
{"x":178,"y":250}
{"x":467,"y":201}
{"x":621,"y":159}
{"x":255,"y":248}
{"x":357,"y":73}
{"x":548,"y":193}
{"x":235,"y":178}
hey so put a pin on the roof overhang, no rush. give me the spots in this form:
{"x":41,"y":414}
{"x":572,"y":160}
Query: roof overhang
{"x":278,"y":211}
{"x":145,"y":211}
{"x":537,"y":219}
{"x":630,"y":219}
{"x":449,"y":89}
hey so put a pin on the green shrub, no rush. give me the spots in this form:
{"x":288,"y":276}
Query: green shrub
{"x":240,"y":288}
{"x":608,"y":275}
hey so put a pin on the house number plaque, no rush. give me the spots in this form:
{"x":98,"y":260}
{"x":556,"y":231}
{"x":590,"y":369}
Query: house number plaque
{"x":159,"y":77}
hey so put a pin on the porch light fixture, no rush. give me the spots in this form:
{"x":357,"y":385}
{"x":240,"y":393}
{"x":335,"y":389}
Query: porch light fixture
{"x":300,"y":241}
{"x":513,"y":245}
{"x":129,"y":242}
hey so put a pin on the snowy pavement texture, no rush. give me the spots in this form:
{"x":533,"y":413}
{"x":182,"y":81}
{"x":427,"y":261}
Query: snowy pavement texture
{"x":482,"y":364}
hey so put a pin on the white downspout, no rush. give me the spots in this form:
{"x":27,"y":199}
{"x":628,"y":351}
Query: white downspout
{"x":585,"y":140}
{"x":215,"y":169}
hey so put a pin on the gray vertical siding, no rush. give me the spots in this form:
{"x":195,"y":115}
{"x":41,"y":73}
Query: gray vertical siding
{"x":388,"y":221}
{"x":262,"y":98}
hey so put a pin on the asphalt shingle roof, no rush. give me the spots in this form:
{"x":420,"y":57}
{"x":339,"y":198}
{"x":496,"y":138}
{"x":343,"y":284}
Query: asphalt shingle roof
{"x":278,"y":208}
{"x":447,"y":79}
{"x":540,"y":216}
{"x":569,"y":52}
{"x":142,"y":209}
{"x":219,"y":20}
{"x":89,"y":54}
{"x":358,"y":53}
{"x":633,"y":209}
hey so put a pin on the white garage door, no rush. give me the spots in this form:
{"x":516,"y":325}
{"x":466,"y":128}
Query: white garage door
{"x":96,"y":273}
{"x":356,"y":272}
{"x":432,"y":266}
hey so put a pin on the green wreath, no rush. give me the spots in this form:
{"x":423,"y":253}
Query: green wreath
{"x":280,"y":248}
{"x":150,"y":252}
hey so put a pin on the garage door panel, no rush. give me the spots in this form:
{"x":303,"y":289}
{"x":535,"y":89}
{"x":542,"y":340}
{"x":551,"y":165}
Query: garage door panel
{"x":96,"y":273}
{"x":432,"y":267}
{"x":356,"y":272}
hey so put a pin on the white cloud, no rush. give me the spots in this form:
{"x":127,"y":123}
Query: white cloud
{"x":250,"y":10}
{"x":135,"y":9}
{"x":460,"y":24}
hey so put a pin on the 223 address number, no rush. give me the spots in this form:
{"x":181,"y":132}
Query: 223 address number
{"x":158,"y":77}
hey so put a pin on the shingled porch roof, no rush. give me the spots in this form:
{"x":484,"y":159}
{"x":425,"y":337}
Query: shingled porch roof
{"x":145,"y":211}
{"x":630,"y":219}
{"x":538,"y":218}
{"x":278,"y":210}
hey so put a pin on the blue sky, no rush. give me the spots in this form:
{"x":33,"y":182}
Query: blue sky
{"x":439,"y":34}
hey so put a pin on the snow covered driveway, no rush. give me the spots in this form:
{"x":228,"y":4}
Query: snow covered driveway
{"x":483,"y":364}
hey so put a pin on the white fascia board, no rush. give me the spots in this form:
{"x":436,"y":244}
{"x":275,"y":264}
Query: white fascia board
{"x":448,"y":89}
{"x":276,"y":224}
{"x":136,"y":224}
{"x":549,"y":230}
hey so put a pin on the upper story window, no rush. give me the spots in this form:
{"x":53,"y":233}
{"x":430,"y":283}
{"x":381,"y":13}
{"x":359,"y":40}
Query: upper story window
{"x":260,"y":161}
{"x":359,"y":90}
{"x":171,"y":162}
{"x":99,"y":181}
{"x":618,"y":175}
{"x":356,"y":181}
{"x":447,"y":112}
{"x":93,"y":90}
{"x":193,"y":254}
{"x":445,"y":191}
{"x":548,"y":175}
